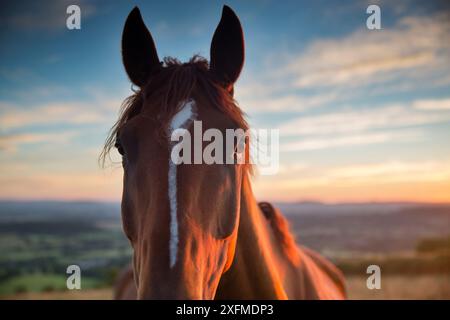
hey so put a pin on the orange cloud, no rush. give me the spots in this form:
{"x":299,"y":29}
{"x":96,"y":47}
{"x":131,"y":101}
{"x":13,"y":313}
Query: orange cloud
{"x":389,"y":181}
{"x":68,"y":186}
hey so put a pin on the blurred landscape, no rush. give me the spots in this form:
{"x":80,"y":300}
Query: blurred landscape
{"x":409,"y":241}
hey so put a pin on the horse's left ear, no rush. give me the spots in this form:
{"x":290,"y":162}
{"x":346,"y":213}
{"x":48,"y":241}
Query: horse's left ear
{"x":227,"y":49}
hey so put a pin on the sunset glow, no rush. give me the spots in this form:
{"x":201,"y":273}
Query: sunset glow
{"x":364,"y":115}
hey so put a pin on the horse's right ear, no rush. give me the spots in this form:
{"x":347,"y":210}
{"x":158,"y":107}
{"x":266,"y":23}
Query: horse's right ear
{"x":138,"y":49}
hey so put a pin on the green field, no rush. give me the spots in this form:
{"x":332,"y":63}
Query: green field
{"x":40,"y":282}
{"x":36,"y":250}
{"x":392,"y":287}
{"x":39,"y":243}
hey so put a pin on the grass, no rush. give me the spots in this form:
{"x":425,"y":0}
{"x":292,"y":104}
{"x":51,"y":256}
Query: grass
{"x":392,"y":287}
{"x":428,"y":287}
{"x":39,"y":282}
{"x":84,"y":294}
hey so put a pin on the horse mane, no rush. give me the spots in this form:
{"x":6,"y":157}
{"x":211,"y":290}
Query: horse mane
{"x":281,"y":230}
{"x":174,"y":82}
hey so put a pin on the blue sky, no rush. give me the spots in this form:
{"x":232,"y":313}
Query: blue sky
{"x":363,"y":114}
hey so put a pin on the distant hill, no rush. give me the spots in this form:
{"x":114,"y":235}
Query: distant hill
{"x":41,"y":210}
{"x":359,"y":208}
{"x":381,"y":228}
{"x":334,"y":229}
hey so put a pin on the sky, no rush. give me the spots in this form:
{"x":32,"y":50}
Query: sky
{"x":364,"y":115}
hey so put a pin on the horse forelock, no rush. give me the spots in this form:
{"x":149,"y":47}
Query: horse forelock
{"x":159,"y":99}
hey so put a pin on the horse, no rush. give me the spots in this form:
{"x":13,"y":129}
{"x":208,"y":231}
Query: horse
{"x":196,"y":230}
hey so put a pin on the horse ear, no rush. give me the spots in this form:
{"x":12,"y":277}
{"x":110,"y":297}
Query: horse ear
{"x":138,"y":49}
{"x":227,"y":49}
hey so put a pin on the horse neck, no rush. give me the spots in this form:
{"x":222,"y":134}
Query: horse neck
{"x":254,"y":272}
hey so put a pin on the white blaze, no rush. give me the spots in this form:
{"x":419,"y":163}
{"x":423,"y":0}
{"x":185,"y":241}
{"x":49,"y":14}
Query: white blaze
{"x":182,"y":119}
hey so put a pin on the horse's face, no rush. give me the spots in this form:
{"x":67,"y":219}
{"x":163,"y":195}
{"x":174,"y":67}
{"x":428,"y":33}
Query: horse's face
{"x":181,"y":219}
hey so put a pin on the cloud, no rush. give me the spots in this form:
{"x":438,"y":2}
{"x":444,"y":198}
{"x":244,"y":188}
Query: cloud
{"x":364,"y":126}
{"x":285,"y":103}
{"x":364,"y":119}
{"x":10,"y":142}
{"x":350,"y":140}
{"x":365,"y":57}
{"x":15,"y":116}
{"x":432,"y":104}
{"x":74,"y":185}
{"x":54,"y":122}
{"x":385,"y":181}
{"x":395,"y":171}
{"x":410,"y":55}
{"x":383,"y":172}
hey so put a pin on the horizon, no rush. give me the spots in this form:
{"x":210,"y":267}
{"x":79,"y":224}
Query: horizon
{"x":364,"y":115}
{"x":293,"y":202}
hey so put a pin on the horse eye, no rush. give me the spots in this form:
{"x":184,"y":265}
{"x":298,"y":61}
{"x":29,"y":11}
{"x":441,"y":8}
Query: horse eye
{"x":119,"y":147}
